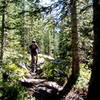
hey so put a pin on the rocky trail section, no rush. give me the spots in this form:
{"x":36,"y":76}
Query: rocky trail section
{"x":43,"y":89}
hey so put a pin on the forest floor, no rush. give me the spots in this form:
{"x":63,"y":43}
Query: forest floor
{"x":34,"y":80}
{"x":76,"y":94}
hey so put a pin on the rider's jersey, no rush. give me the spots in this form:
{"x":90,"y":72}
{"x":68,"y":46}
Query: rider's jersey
{"x":33,"y":49}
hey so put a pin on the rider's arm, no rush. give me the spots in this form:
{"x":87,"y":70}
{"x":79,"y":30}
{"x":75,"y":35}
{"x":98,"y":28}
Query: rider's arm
{"x":38,"y":50}
{"x":29,"y":49}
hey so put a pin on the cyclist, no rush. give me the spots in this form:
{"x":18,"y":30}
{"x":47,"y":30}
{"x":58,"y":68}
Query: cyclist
{"x":34,"y":48}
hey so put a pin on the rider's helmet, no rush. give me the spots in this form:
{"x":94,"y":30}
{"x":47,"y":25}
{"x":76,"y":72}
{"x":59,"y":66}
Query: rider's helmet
{"x":33,"y":41}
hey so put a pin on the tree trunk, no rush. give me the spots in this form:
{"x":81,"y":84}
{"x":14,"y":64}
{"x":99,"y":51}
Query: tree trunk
{"x":75,"y":57}
{"x":22,"y":28}
{"x":2,"y":33}
{"x":93,"y":86}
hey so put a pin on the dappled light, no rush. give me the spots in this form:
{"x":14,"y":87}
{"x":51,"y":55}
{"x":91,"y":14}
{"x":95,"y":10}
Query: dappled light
{"x":49,"y":49}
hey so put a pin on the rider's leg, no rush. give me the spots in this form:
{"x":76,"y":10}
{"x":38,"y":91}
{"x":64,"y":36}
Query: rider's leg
{"x":32,"y":59}
{"x":36,"y":59}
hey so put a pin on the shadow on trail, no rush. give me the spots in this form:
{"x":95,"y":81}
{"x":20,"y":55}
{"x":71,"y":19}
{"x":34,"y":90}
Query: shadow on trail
{"x":42,"y":89}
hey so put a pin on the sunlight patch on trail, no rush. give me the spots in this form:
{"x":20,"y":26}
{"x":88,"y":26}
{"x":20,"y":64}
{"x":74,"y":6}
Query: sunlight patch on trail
{"x":46,"y":57}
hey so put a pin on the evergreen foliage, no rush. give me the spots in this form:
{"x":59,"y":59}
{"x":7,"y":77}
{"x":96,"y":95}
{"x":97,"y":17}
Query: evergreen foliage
{"x":22,"y":21}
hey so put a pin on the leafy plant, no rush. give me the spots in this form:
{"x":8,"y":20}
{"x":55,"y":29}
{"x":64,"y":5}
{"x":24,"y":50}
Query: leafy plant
{"x":84,"y":77}
{"x":10,"y":87}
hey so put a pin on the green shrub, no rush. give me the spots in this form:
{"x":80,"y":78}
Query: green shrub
{"x":84,"y":77}
{"x":13,"y":92}
{"x":10,"y":88}
{"x":50,"y":66}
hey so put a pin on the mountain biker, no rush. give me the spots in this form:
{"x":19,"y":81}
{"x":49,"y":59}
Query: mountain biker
{"x":34,"y":48}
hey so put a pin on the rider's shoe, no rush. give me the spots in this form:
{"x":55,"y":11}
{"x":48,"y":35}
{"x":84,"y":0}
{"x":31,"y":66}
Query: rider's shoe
{"x":37,"y":65}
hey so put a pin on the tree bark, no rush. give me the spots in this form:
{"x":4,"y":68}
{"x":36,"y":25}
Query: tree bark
{"x":93,"y":85}
{"x":22,"y":27}
{"x":2,"y":33}
{"x":75,"y":58}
